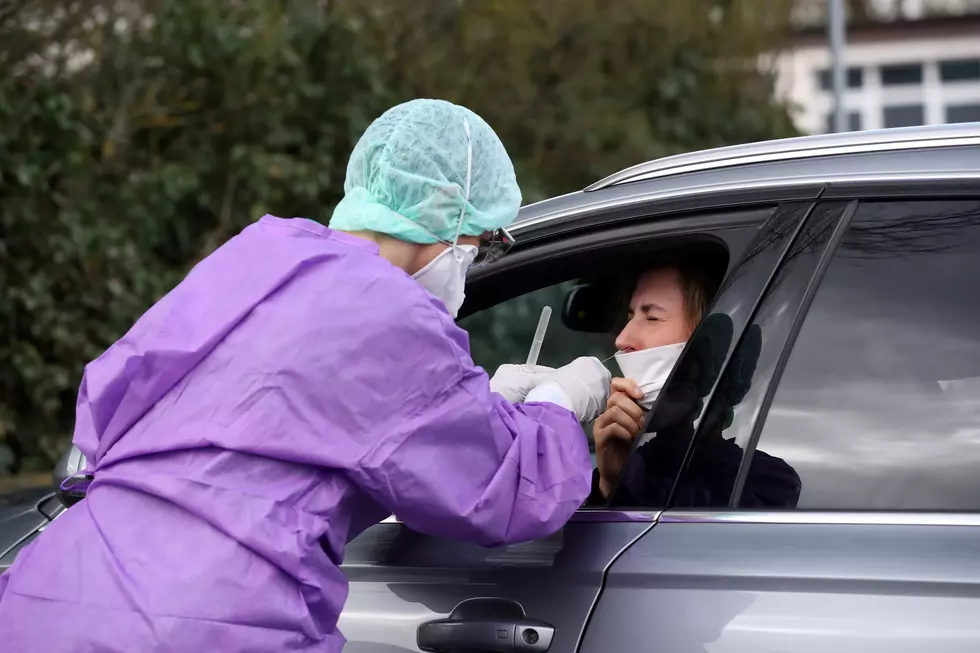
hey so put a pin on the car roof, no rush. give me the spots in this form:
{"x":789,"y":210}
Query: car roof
{"x":816,"y":160}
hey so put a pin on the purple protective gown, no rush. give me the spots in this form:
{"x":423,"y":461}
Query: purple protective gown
{"x":293,"y":390}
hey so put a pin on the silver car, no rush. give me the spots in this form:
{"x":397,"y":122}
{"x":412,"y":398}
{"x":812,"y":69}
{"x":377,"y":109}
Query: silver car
{"x":809,"y":479}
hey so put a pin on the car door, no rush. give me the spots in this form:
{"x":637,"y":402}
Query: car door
{"x":863,"y":385}
{"x":402,"y":580}
{"x":23,"y":515}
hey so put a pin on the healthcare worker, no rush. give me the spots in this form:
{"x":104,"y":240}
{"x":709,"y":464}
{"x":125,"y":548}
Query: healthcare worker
{"x":301,"y":384}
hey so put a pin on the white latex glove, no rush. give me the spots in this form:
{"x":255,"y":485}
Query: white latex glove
{"x":584,"y":382}
{"x":513,"y":382}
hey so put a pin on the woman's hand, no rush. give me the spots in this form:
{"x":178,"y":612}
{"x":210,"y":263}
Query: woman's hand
{"x":615,"y":430}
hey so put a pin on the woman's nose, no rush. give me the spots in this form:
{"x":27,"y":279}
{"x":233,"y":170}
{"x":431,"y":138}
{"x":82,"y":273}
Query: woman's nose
{"x":625,"y":339}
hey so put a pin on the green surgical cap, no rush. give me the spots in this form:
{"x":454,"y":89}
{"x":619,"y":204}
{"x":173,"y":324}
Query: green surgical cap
{"x":407,"y":176}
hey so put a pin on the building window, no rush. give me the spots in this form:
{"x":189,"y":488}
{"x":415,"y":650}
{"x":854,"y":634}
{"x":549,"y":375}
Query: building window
{"x":959,"y":70}
{"x":853,"y":122}
{"x":906,"y":115}
{"x":855,"y":78}
{"x":963,"y":113}
{"x":899,"y":74}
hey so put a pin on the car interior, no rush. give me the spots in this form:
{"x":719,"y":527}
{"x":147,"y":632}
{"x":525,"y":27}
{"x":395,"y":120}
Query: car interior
{"x":588,"y":292}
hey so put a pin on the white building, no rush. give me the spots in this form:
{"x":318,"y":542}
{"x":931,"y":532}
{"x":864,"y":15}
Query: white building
{"x":905,"y":72}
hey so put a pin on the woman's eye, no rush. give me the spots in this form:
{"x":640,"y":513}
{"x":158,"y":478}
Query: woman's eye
{"x":651,"y":318}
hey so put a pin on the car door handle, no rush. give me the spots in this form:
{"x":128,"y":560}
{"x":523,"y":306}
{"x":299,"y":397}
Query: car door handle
{"x":486,"y":625}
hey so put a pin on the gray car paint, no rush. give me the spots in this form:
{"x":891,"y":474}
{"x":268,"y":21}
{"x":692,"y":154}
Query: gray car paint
{"x":400,"y":579}
{"x":807,"y":588}
{"x":20,"y":518}
{"x":805,"y":175}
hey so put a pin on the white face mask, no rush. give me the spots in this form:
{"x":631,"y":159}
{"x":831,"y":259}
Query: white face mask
{"x":649,"y":368}
{"x":445,"y":276}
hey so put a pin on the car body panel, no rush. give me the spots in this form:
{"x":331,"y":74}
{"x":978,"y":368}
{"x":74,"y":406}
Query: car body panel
{"x":400,"y":579}
{"x":23,"y":514}
{"x":802,"y":148}
{"x":730,"y":587}
{"x":782,"y":180}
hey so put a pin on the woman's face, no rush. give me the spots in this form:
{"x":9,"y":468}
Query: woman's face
{"x":657,"y":314}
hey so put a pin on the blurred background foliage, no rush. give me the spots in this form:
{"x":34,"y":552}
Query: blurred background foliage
{"x":138,"y":135}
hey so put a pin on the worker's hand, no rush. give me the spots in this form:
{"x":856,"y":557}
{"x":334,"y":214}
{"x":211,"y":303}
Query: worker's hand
{"x":513,"y":382}
{"x":615,"y":430}
{"x":585,"y":383}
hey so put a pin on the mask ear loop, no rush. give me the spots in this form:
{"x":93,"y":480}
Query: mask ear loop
{"x":466,"y":199}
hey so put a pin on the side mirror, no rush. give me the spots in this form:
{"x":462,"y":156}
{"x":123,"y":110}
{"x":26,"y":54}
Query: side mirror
{"x":71,"y":463}
{"x":590,"y":308}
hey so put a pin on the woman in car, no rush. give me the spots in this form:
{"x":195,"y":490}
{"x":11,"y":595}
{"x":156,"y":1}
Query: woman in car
{"x":666,"y":305}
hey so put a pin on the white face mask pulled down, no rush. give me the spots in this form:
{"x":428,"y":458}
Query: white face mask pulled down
{"x":649,"y":369}
{"x":445,"y":276}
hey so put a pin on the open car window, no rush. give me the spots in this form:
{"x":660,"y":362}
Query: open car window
{"x":588,"y":288}
{"x":503,"y":333}
{"x":696,"y":398}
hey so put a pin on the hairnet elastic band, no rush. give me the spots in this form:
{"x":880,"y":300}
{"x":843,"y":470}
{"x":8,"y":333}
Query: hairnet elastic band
{"x":469,"y":171}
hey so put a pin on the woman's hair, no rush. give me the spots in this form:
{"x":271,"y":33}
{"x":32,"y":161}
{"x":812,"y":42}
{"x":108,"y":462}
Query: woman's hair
{"x":699,"y":283}
{"x":699,"y":278}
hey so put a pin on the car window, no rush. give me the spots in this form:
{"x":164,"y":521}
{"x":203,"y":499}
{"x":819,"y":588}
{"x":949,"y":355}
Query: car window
{"x":651,"y":473}
{"x":878,"y":406}
{"x":503,"y":333}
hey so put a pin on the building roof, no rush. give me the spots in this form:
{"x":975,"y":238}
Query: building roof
{"x":873,"y":31}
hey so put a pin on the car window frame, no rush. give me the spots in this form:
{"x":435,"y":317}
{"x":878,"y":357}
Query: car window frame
{"x":870,"y":190}
{"x":857,"y":194}
{"x":663,"y":225}
{"x":784,"y":289}
{"x":835,"y":233}
{"x":729,"y":300}
{"x":718,"y":217}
